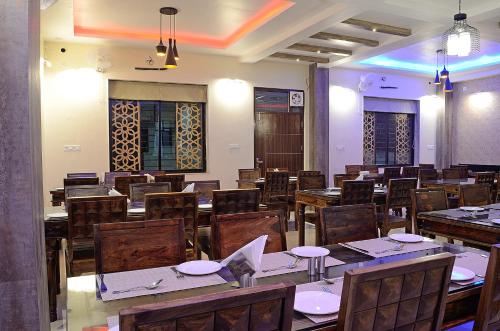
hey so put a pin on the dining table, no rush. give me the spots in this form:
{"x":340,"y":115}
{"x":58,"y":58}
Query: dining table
{"x":475,"y":227}
{"x":88,"y":309}
{"x":451,"y":186}
{"x":321,"y":199}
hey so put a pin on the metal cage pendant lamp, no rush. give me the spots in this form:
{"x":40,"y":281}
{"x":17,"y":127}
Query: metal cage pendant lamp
{"x":461,"y":39}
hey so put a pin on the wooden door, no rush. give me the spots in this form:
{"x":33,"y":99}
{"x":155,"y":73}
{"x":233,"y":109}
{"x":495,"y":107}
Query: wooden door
{"x":279,"y":140}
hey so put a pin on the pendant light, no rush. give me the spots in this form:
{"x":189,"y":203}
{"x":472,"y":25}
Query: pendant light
{"x":161,"y":50}
{"x":448,"y":86}
{"x":444,"y":73}
{"x":176,"y":54}
{"x":170,"y":63}
{"x":461,"y":39}
{"x":171,"y":51}
{"x":437,"y":79}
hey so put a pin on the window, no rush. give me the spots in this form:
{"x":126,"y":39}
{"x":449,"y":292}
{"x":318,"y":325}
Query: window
{"x":157,"y":135}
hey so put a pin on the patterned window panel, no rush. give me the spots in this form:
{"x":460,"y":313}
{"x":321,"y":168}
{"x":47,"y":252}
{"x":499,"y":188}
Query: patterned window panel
{"x":403,"y":139}
{"x":189,"y":136}
{"x":369,"y":138}
{"x":125,"y":135}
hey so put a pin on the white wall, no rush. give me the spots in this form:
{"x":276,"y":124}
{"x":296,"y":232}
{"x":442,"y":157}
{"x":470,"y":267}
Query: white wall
{"x":75,"y":105}
{"x":346,"y":113}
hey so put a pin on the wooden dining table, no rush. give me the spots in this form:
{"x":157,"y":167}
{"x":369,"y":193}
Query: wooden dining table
{"x":477,"y":229}
{"x":451,"y":186}
{"x":86,"y":310}
{"x":322,"y":199}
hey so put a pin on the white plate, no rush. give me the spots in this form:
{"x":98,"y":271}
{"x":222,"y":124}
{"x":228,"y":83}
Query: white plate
{"x":316,"y":302}
{"x":459,"y":274}
{"x":378,"y":190}
{"x":205,"y":206}
{"x":57,"y":215}
{"x":465,"y":208}
{"x":310,"y":251}
{"x":406,"y":237}
{"x":496,"y":221}
{"x":199,"y":267}
{"x":333,"y":188}
{"x":137,"y":210}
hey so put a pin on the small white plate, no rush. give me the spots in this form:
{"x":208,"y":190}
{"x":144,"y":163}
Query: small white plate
{"x":316,"y":302}
{"x":406,"y":237}
{"x":465,"y":208}
{"x":205,"y":206}
{"x":137,"y":210}
{"x":199,"y":267}
{"x":496,"y":221}
{"x":378,"y":190}
{"x":57,"y":215}
{"x":459,"y":274}
{"x":310,"y":251}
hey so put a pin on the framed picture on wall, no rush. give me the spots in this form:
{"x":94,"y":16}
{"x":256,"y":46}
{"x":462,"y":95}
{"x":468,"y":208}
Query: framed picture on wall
{"x":296,"y":99}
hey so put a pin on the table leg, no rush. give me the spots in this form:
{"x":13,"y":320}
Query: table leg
{"x":301,"y":219}
{"x":52,"y":254}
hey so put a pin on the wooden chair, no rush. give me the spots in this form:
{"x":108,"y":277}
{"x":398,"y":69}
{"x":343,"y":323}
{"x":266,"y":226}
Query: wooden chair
{"x":85,"y":191}
{"x":474,"y":195}
{"x":357,"y":192}
{"x":81,"y":181}
{"x":304,"y":173}
{"x":247,"y":178}
{"x":139,"y":245}
{"x":109,"y":177}
{"x":487,"y":177}
{"x":230,"y":232}
{"x":339,"y":178}
{"x":341,"y":224}
{"x":139,"y":190}
{"x":488,"y":309}
{"x":391,"y":173}
{"x":402,"y":295}
{"x":83,"y":213}
{"x":427,"y":174}
{"x":353,"y":169}
{"x":311,"y":182}
{"x":122,"y":184}
{"x":398,"y":196}
{"x":410,"y":172}
{"x":275,"y":194}
{"x":263,"y":307}
{"x":81,"y":175}
{"x":235,"y":201}
{"x":176,"y":181}
{"x":426,"y":166}
{"x":451,"y":173}
{"x":183,"y":205}
{"x":427,"y":199}
{"x":462,"y":169}
{"x":372,"y":168}
{"x":204,"y":188}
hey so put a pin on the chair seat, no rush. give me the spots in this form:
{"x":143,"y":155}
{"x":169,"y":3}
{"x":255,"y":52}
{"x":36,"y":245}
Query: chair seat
{"x":463,"y":327}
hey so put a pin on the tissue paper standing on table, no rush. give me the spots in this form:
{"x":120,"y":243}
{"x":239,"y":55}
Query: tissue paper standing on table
{"x":189,"y":188}
{"x":362,"y":175}
{"x":246,"y":260}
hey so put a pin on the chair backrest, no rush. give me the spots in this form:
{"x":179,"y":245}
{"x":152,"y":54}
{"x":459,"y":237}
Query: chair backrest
{"x":205,"y":189}
{"x":372,"y":168}
{"x":263,"y":307}
{"x":474,"y":195}
{"x":426,"y":166}
{"x":485,"y":177}
{"x":109,"y":177}
{"x":137,"y":191}
{"x":81,"y":175}
{"x":463,"y":170}
{"x":427,"y":174}
{"x":176,"y":181}
{"x":84,"y":212}
{"x":276,"y":184}
{"x":410,"y":172}
{"x":81,"y":181}
{"x":235,"y":201}
{"x":399,"y":192}
{"x":122,"y":184}
{"x":488,"y":311}
{"x":303,"y":173}
{"x":139,"y":245}
{"x":391,"y":173}
{"x":85,"y":191}
{"x":402,"y":295}
{"x":311,"y":182}
{"x":451,"y":173}
{"x":247,"y":226}
{"x":357,"y":192}
{"x":428,"y":199}
{"x":249,"y":174}
{"x":341,"y":224}
{"x":339,"y":178}
{"x":353,"y":169}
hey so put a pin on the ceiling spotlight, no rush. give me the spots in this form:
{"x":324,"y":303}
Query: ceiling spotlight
{"x":318,"y":51}
{"x":297,"y":59}
{"x":374,"y":30}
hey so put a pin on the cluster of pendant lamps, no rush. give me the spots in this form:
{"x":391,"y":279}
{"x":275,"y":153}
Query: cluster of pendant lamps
{"x":443,"y":76}
{"x":171,"y":50}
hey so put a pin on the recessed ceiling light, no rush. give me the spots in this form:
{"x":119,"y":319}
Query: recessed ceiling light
{"x":297,"y":59}
{"x":374,"y":30}
{"x":318,"y":51}
{"x":340,"y":54}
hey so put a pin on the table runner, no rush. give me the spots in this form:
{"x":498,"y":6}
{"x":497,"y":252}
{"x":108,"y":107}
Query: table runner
{"x":170,"y":283}
{"x":274,"y":260}
{"x":381,"y":247}
{"x":474,"y":262}
{"x":317,"y":286}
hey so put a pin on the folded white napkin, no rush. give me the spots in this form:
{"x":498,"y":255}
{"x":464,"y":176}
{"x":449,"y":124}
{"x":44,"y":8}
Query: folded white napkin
{"x":114,"y":193}
{"x":247,"y":259}
{"x":189,"y":188}
{"x":150,"y":178}
{"x":362,"y":175}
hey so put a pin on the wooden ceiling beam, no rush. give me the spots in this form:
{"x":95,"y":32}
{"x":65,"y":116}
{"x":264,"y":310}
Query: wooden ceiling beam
{"x":320,"y":49}
{"x":335,"y":36}
{"x":294,"y":57}
{"x":378,"y":27}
